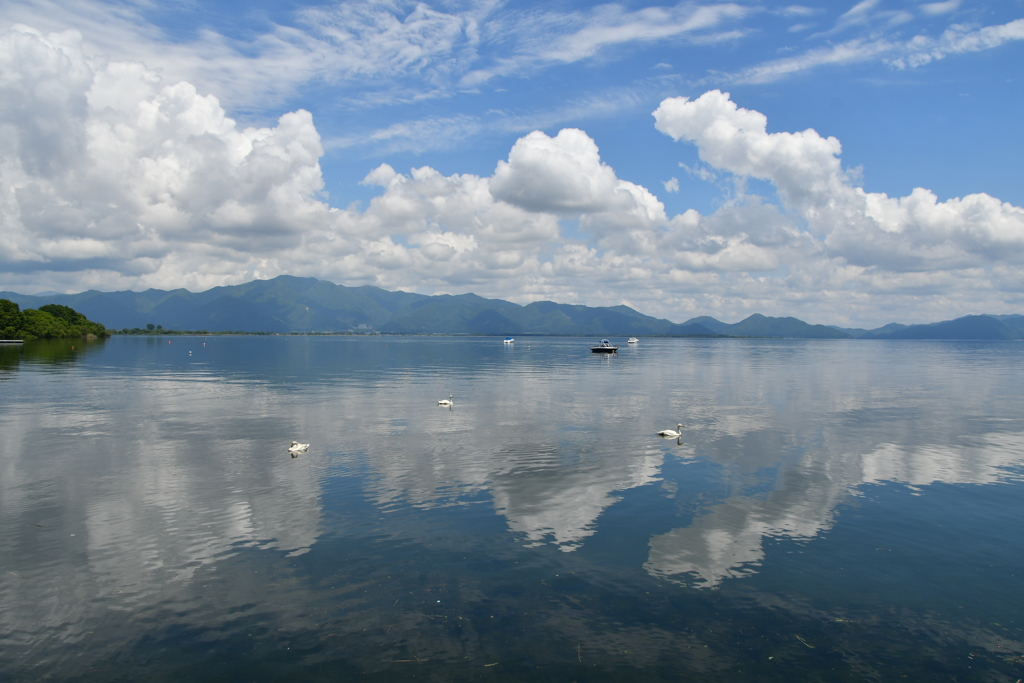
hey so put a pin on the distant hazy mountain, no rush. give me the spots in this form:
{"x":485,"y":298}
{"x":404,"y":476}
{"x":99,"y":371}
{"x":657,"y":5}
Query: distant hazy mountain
{"x":978,"y":327}
{"x":858,"y":332}
{"x":294,"y":304}
{"x":759,"y":325}
{"x":716,"y":326}
{"x":283,"y":304}
{"x":1014,"y":321}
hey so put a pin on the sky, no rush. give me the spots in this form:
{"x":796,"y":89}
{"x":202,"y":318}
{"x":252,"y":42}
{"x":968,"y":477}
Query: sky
{"x":844,"y":163}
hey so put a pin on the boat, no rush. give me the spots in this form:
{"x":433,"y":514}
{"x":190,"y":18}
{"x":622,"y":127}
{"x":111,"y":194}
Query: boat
{"x":509,"y":340}
{"x":604,"y":347}
{"x":632,"y":340}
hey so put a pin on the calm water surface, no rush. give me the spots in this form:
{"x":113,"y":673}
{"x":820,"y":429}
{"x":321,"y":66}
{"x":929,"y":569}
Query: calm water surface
{"x":833,"y":511}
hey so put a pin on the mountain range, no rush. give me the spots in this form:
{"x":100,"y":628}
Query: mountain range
{"x":294,"y":304}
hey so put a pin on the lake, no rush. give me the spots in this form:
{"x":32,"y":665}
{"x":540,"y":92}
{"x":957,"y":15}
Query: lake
{"x":833,"y":511}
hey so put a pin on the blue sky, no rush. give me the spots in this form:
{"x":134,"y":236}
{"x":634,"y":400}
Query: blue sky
{"x":848,"y":163}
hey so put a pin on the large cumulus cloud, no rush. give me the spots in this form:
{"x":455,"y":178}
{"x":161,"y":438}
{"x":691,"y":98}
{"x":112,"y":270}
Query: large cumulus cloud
{"x":564,"y":175}
{"x":112,"y":178}
{"x":868,"y":229}
{"x":106,"y":170}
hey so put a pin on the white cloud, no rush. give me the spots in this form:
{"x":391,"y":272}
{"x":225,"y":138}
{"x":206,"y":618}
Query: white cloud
{"x":797,"y":11}
{"x":958,"y":39}
{"x":112,"y":157}
{"x":563,"y":174}
{"x":375,"y":53}
{"x":702,"y":172}
{"x":858,"y":13}
{"x":373,"y":40}
{"x":417,"y":136}
{"x":545,"y":38}
{"x":918,"y":51}
{"x":260,"y":72}
{"x":432,"y":133}
{"x":911,"y":233}
{"x":112,"y":178}
{"x":935,"y":8}
{"x":850,"y":52}
{"x":671,"y":185}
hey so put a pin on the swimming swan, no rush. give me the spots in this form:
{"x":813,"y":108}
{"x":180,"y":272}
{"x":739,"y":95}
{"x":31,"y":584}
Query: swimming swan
{"x":669,"y":434}
{"x":446,"y":401}
{"x":297,"y":447}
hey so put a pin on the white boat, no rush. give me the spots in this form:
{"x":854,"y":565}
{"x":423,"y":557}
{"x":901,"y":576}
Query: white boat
{"x":509,"y":340}
{"x":632,"y":340}
{"x":604,"y":347}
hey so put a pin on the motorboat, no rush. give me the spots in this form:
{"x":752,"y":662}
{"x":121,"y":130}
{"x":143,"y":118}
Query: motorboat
{"x":509,"y":340}
{"x":604,"y":347}
{"x":632,"y":340}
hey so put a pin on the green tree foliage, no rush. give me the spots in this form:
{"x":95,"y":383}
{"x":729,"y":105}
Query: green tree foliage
{"x":42,"y":325}
{"x":78,"y":324}
{"x":51,"y":321}
{"x":65,"y":313}
{"x":10,"y":319}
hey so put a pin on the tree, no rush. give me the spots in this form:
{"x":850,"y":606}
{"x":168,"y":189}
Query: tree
{"x":10,"y":319}
{"x":51,"y":321}
{"x":39,"y":324}
{"x":65,"y":313}
{"x":150,"y":327}
{"x":77,"y":324}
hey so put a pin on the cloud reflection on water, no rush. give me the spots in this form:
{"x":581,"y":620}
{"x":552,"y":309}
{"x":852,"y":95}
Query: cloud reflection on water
{"x":726,"y":541}
{"x":160,"y":474}
{"x":794,"y":429}
{"x":126,"y":484}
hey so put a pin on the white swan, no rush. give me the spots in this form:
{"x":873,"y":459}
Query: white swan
{"x":446,"y":401}
{"x":670,"y":434}
{"x":297,"y":447}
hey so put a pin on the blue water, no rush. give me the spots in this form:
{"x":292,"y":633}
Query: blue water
{"x":835,"y":510}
